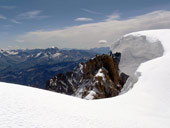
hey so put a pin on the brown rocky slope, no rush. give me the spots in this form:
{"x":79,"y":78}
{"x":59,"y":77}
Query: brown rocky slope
{"x":98,"y":78}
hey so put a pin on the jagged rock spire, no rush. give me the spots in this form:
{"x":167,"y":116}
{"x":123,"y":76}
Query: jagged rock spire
{"x":98,"y":78}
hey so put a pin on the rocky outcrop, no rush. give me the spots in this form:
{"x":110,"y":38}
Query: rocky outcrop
{"x":99,"y":77}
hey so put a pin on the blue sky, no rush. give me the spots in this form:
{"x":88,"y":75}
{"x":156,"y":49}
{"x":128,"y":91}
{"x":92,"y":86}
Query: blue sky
{"x":23,"y":22}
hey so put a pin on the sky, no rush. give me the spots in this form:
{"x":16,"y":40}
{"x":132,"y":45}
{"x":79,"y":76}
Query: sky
{"x":80,"y":24}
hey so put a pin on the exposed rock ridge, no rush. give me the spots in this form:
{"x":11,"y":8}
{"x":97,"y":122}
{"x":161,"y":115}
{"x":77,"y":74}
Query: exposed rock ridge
{"x":99,"y":77}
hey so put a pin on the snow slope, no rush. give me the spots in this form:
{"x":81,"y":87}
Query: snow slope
{"x":147,"y":105}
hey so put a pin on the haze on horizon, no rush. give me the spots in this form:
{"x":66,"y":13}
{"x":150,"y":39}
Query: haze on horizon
{"x":77,"y":24}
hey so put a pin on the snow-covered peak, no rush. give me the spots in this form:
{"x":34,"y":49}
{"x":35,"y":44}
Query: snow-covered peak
{"x":1,"y":50}
{"x":54,"y":47}
{"x":11,"y":52}
{"x":56,"y":55}
{"x":8,"y":52}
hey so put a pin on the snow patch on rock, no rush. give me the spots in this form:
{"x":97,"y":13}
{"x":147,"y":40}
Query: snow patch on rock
{"x":38,"y":54}
{"x":56,"y":55}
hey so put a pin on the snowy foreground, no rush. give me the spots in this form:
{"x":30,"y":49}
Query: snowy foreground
{"x":147,"y":105}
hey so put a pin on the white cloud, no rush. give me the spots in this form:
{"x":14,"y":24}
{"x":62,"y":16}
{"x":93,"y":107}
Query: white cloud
{"x":2,"y":17}
{"x":83,"y":19}
{"x":7,"y":26}
{"x":114,"y":16}
{"x":90,"y":11}
{"x":102,"y":41}
{"x":19,"y":40}
{"x":31,"y":15}
{"x":15,"y":21}
{"x":88,"y":35}
{"x":8,"y":7}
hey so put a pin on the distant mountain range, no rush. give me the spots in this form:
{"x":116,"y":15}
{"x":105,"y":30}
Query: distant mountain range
{"x":34,"y":66}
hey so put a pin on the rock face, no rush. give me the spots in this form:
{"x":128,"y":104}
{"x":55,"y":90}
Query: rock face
{"x":99,"y":77}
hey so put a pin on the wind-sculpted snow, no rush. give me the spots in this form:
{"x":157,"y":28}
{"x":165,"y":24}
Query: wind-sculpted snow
{"x":147,"y":105}
{"x":136,"y":50}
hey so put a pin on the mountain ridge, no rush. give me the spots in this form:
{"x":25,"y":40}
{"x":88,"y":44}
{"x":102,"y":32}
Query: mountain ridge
{"x":25,"y":66}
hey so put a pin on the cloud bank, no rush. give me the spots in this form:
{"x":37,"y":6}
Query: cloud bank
{"x":2,"y":17}
{"x":15,"y":21}
{"x":8,"y":7}
{"x":114,"y":16}
{"x":102,"y":41}
{"x":83,"y":19}
{"x":90,"y":11}
{"x":88,"y":35}
{"x":35,"y":14}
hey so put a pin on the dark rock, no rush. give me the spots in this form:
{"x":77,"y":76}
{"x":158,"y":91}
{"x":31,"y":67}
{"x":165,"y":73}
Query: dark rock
{"x":97,"y":78}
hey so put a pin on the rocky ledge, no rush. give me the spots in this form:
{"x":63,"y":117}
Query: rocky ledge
{"x":98,"y":78}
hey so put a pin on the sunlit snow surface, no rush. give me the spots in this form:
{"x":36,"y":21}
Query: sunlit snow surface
{"x":147,"y":105}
